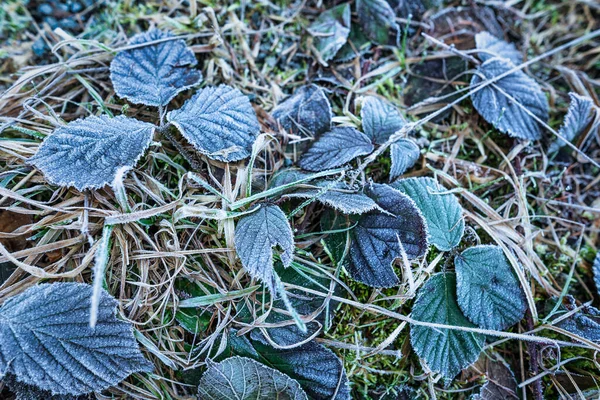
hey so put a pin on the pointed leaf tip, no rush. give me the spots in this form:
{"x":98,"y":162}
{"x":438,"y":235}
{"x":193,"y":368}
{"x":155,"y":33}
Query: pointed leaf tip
{"x":88,"y":153}
{"x":336,"y":148}
{"x":219,"y":122}
{"x":255,"y":237}
{"x":153,"y":74}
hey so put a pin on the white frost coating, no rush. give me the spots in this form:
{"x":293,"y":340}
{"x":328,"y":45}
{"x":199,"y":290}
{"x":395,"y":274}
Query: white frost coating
{"x":335,"y":148}
{"x":338,"y":196}
{"x":219,"y":122}
{"x":495,"y":106}
{"x":88,"y":153}
{"x":255,"y":237}
{"x":380,"y":119}
{"x":243,"y":378}
{"x":46,"y":341}
{"x":153,"y":74}
{"x":404,"y":154}
{"x":581,"y":113}
{"x":307,"y":112}
{"x":491,"y":47}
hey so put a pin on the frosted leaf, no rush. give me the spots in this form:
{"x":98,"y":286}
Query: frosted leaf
{"x":315,"y":367}
{"x":489,"y":293}
{"x":380,"y":119}
{"x":377,"y":236}
{"x":404,"y":154}
{"x":242,"y":378}
{"x":331,"y":30}
{"x":88,"y":153}
{"x":46,"y":341}
{"x":446,"y":351}
{"x":219,"y":122}
{"x":585,"y":322}
{"x":337,"y":196}
{"x":307,"y":112}
{"x":490,"y":47}
{"x":441,"y":210}
{"x":579,"y":116}
{"x":377,"y":19}
{"x":335,"y":148}
{"x":255,"y":236}
{"x":152,"y":75}
{"x":502,"y":112}
{"x":30,"y":392}
{"x":288,"y":176}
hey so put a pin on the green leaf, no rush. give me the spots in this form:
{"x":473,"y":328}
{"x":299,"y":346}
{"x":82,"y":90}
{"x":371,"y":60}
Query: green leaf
{"x":377,"y":19}
{"x":331,"y":30}
{"x":441,"y":210}
{"x":446,"y":351}
{"x":488,"y":290}
{"x":245,"y":379}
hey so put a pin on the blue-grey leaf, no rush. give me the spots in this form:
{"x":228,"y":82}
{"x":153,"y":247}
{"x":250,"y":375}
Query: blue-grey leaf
{"x":30,"y":392}
{"x":441,"y":210}
{"x":489,"y":293}
{"x":377,"y":20}
{"x":585,"y":322}
{"x":579,"y":116}
{"x":315,"y":367}
{"x":335,"y":148}
{"x":378,"y":237}
{"x":404,"y":154}
{"x":337,"y":195}
{"x":153,"y":74}
{"x":219,"y":122}
{"x":46,"y":341}
{"x":243,"y":378}
{"x":331,"y":30}
{"x":307,"y":112}
{"x":446,"y":351}
{"x":490,"y":46}
{"x":380,"y":119}
{"x":255,"y":236}
{"x":88,"y":153}
{"x":494,"y":105}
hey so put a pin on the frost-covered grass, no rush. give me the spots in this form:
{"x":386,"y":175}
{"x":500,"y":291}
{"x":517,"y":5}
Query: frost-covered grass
{"x":542,"y":209}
